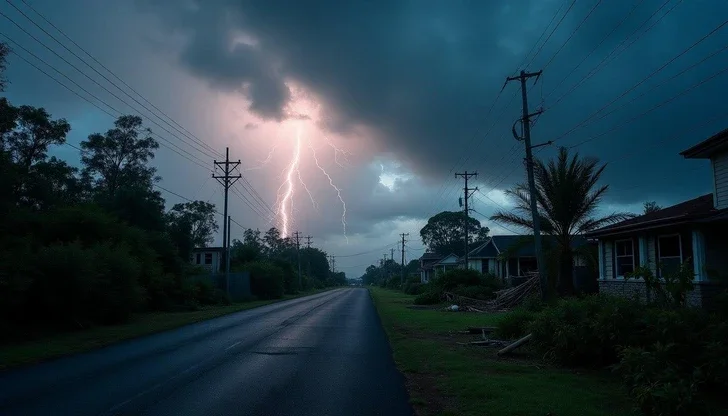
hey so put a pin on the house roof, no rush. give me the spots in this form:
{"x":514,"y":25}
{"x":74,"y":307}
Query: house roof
{"x":708,"y":147}
{"x":430,"y":256}
{"x":519,"y":244}
{"x":700,"y":208}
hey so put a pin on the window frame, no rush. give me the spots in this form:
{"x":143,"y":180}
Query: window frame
{"x":615,"y":270}
{"x":208,"y":255}
{"x":659,"y":251}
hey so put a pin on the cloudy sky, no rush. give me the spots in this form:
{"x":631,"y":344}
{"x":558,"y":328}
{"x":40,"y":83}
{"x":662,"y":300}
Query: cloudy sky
{"x":390,"y":97}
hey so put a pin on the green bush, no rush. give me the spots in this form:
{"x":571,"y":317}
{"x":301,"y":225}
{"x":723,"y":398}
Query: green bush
{"x":266,"y":280}
{"x":659,"y":386}
{"x":514,"y":324}
{"x":586,"y":332}
{"x":414,"y":288}
{"x":458,"y":277}
{"x":428,"y":298}
{"x":74,"y":286}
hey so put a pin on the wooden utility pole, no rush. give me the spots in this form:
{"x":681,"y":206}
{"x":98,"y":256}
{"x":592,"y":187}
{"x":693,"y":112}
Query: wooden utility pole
{"x":308,"y":256}
{"x":466,"y":226}
{"x":227,"y":179}
{"x":526,"y":123}
{"x":403,"y":241}
{"x":297,"y":236}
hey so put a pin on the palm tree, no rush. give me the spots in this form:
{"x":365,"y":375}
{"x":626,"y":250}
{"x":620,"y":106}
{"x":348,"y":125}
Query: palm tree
{"x":567,"y":198}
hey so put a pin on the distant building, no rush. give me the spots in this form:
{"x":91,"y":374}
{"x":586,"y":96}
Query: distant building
{"x":431,"y":264}
{"x":208,"y":257}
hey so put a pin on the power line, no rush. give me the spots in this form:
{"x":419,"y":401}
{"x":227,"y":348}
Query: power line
{"x":61,"y":83}
{"x":614,"y":29}
{"x":91,"y":79}
{"x":652,"y":74}
{"x":162,"y":188}
{"x":108,"y":70}
{"x":572,"y":33}
{"x":552,"y":32}
{"x":616,"y":52}
{"x":195,"y":140}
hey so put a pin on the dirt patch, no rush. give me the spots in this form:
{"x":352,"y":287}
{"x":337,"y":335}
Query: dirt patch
{"x":426,"y":397}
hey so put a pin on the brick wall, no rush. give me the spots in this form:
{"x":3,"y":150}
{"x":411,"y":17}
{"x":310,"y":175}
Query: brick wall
{"x":702,"y":295}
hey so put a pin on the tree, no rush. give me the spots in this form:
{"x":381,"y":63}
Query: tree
{"x":119,"y":158}
{"x":568,"y":197}
{"x":651,"y":207}
{"x":4,"y":52}
{"x":33,"y":132}
{"x":200,"y":216}
{"x":443,"y":233}
{"x":115,"y":168}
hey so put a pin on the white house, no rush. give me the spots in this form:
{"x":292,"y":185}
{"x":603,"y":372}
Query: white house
{"x":432,"y":264}
{"x":692,"y":231}
{"x":208,"y":257}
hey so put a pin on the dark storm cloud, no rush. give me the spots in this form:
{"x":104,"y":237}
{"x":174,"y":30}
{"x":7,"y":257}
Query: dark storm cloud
{"x":422,"y":74}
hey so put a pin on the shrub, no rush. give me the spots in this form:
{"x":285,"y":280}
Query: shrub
{"x":458,"y":277}
{"x":266,"y":280}
{"x":515,"y":324}
{"x":428,"y":298}
{"x":414,"y":288}
{"x":657,"y":384}
{"x":585,"y":332}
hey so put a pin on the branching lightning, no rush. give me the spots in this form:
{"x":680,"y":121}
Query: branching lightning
{"x":331,"y":182}
{"x":288,"y":195}
{"x":301,"y":118}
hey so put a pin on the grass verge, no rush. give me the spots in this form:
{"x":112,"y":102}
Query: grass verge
{"x":67,"y":343}
{"x":448,"y":378}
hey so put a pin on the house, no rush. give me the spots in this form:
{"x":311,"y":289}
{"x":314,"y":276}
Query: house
{"x":208,"y":257}
{"x":693,"y":231}
{"x":432,"y":264}
{"x":506,"y":256}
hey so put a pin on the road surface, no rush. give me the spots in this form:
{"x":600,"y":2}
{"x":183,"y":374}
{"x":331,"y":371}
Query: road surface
{"x":325,"y":354}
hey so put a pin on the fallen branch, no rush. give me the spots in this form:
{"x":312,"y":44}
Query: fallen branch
{"x":515,"y":345}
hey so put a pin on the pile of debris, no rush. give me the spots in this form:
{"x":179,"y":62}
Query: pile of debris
{"x":505,"y":299}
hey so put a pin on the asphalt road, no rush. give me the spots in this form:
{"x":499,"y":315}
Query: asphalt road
{"x":325,"y":354}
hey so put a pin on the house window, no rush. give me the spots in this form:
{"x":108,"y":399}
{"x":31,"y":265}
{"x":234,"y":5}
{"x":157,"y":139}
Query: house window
{"x":624,"y":257}
{"x":485,"y":266}
{"x":198,"y":259}
{"x":669,"y":253}
{"x":208,"y":258}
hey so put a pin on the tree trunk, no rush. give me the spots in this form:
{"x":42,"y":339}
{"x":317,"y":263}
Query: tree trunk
{"x":566,"y":271}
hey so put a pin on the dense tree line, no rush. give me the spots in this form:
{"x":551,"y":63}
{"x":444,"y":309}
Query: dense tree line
{"x":273,"y":260}
{"x":93,"y":244}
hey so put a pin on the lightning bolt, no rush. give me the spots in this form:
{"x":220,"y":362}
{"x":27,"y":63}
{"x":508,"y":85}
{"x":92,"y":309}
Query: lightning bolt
{"x":264,"y":162}
{"x":287,"y":199}
{"x":331,"y":182}
{"x":344,"y":153}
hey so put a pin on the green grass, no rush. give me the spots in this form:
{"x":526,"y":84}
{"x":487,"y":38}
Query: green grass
{"x":58,"y":345}
{"x":446,"y":378}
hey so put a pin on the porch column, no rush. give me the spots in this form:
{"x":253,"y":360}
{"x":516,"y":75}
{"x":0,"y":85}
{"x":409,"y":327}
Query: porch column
{"x":643,"y":251}
{"x":699,"y":255}
{"x":602,"y":266}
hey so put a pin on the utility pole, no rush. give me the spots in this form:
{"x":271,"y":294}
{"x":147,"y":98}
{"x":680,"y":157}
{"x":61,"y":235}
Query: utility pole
{"x":226,"y":180}
{"x":466,"y":227}
{"x":308,"y":256}
{"x":227,"y":257}
{"x":297,"y":236}
{"x":403,"y":241}
{"x":391,"y":257}
{"x":526,"y":123}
